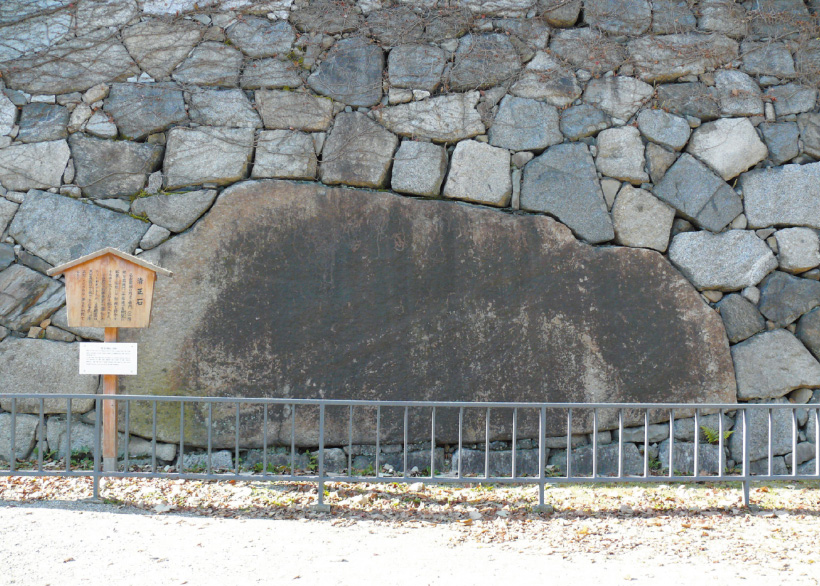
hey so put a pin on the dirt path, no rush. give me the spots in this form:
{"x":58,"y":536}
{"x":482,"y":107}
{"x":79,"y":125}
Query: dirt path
{"x":51,"y":536}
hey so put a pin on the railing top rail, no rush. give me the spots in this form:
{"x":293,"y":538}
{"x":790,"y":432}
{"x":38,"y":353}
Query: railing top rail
{"x":442,"y":404}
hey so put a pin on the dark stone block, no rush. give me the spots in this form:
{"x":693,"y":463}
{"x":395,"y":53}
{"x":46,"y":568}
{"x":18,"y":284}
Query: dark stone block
{"x":741,"y":319}
{"x":784,"y":297}
{"x":351,"y":73}
{"x":40,"y":122}
{"x":140,"y":110}
{"x":689,"y":99}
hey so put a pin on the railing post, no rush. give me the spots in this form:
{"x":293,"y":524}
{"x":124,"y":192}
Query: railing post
{"x":320,"y":505}
{"x":746,"y":471}
{"x":97,"y":447}
{"x":542,"y":460}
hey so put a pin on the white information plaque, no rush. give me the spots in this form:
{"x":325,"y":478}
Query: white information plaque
{"x":108,"y":358}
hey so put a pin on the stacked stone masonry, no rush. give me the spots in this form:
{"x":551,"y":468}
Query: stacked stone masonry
{"x":686,"y":132}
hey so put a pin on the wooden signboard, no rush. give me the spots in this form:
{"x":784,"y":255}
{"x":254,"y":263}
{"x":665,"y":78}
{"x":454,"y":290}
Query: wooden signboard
{"x":109,"y":289}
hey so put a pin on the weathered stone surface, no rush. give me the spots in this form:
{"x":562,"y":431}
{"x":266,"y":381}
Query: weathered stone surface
{"x":798,"y":249}
{"x":672,"y":16}
{"x":685,"y":428}
{"x":456,"y":254}
{"x":723,"y":16}
{"x":560,"y":13}
{"x":34,"y":34}
{"x":808,"y":331}
{"x":499,"y":7}
{"x":729,"y":146}
{"x":792,"y":98}
{"x":175,"y":211}
{"x":270,"y":73}
{"x":689,"y":99}
{"x":809,"y":125}
{"x":8,"y":114}
{"x":589,"y":49}
{"x":563,"y":182}
{"x":259,"y":37}
{"x":619,"y":17}
{"x":641,"y":220}
{"x":41,"y":122}
{"x":7,"y":210}
{"x":738,"y":93}
{"x":100,"y":125}
{"x":158,"y":46}
{"x":767,"y":58}
{"x":327,"y":16}
{"x":283,"y":110}
{"x":72,"y":66}
{"x":500,"y":462}
{"x":665,"y":129}
{"x":447,"y":118}
{"x":82,"y":228}
{"x":657,"y":432}
{"x":683,"y":458}
{"x":107,"y":168}
{"x":582,"y":459}
{"x":221,"y":460}
{"x":92,"y":14}
{"x":210,"y":63}
{"x":727,"y":261}
{"x":351,"y":73}
{"x":482,"y":61}
{"x":777,"y":18}
{"x":781,"y":140}
{"x":583,"y":120}
{"x":740,"y":318}
{"x":155,"y":236}
{"x":771,"y":364}
{"x":39,"y":165}
{"x":357,"y":152}
{"x":419,"y":168}
{"x":285,"y":154}
{"x":395,"y":26}
{"x":223,"y":108}
{"x":27,"y":297}
{"x":523,"y":125}
{"x":782,"y":196}
{"x":759,"y":435}
{"x":784,"y":297}
{"x":545,"y":78}
{"x":621,"y":154}
{"x":668,"y":57}
{"x":23,"y":372}
{"x":141,"y":109}
{"x":618,"y":96}
{"x":479,"y":173}
{"x":25,"y":436}
{"x":82,"y":440}
{"x":698,"y":194}
{"x":207,"y":154}
{"x":416,"y":67}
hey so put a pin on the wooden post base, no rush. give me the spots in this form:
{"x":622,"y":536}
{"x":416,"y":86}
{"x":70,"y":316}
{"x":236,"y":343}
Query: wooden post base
{"x":109,"y":442}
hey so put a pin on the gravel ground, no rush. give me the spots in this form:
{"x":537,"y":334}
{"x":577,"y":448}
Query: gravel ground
{"x":178,"y":532}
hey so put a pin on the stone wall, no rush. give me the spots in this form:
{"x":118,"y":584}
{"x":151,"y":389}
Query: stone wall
{"x":607,"y":200}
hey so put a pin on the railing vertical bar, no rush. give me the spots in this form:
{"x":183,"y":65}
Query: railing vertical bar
{"x":127,"y":447}
{"x":620,"y":443}
{"x":181,"y":460}
{"x":794,"y":441}
{"x":646,"y":443}
{"x":404,"y":462}
{"x":265,"y":441}
{"x":433,"y":443}
{"x":378,"y":433}
{"x":321,"y":488}
{"x":68,"y":436}
{"x":671,"y":442}
{"x":13,"y":436}
{"x":746,"y":468}
{"x":542,"y":454}
{"x":487,"y":444}
{"x":817,"y":441}
{"x":41,"y":430}
{"x":153,"y":437}
{"x":210,"y":435}
{"x":513,"y":468}
{"x":236,"y":439}
{"x":293,"y":440}
{"x":350,"y":442}
{"x":770,"y":452}
{"x":721,"y":455}
{"x":569,"y":443}
{"x":460,"y":437}
{"x":594,"y":444}
{"x":697,"y":442}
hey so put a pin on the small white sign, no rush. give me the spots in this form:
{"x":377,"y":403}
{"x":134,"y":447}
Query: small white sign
{"x":108,"y":358}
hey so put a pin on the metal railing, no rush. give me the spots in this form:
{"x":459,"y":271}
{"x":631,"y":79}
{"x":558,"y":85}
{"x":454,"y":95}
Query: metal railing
{"x":324,"y":424}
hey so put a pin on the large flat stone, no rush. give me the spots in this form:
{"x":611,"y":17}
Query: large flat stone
{"x":357,"y":152}
{"x":158,"y":45}
{"x":546,"y":78}
{"x":395,"y":290}
{"x":782,"y":196}
{"x":40,"y":122}
{"x":109,"y":168}
{"x":482,"y":61}
{"x":283,"y":110}
{"x":618,"y":96}
{"x":698,"y":194}
{"x":808,"y":331}
{"x":59,"y":229}
{"x":668,"y":57}
{"x":230,"y":108}
{"x":419,"y":168}
{"x":351,"y":73}
{"x":641,"y":220}
{"x":773,"y":363}
{"x":766,"y":58}
{"x":27,"y":297}
{"x":741,"y":319}
{"x":25,"y":436}
{"x":683,"y":458}
{"x":728,"y":261}
{"x":619,"y":17}
{"x":72,"y":66}
{"x":259,"y":37}
{"x":284,"y":154}
{"x":23,"y":363}
{"x":663,"y":128}
{"x":416,"y":67}
{"x":175,"y":211}
{"x":39,"y":165}
{"x":689,"y":99}
{"x":447,"y":118}
{"x":784,"y":297}
{"x":621,"y":155}
{"x":759,"y":435}
{"x":207,"y":154}
{"x":270,"y":73}
{"x":142,"y":109}
{"x":589,"y":49}
{"x":522,"y":125}
{"x":479,"y":173}
{"x":563,"y":182}
{"x":210,"y":63}
{"x":729,"y":146}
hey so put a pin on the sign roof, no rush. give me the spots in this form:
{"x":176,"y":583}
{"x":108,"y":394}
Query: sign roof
{"x":60,"y":269}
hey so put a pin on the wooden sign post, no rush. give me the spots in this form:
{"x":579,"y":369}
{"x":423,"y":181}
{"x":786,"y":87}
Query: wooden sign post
{"x":108,"y":289}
